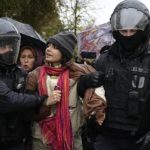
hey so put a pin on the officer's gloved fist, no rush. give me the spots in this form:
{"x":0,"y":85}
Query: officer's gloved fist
{"x":95,"y":79}
{"x":144,"y":142}
{"x":91,"y":80}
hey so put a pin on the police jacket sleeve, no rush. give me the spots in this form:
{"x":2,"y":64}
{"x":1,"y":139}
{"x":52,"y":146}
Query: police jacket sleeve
{"x":11,"y":101}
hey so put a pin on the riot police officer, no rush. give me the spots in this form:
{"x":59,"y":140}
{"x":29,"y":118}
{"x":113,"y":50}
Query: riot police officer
{"x":14,"y":106}
{"x":124,"y":71}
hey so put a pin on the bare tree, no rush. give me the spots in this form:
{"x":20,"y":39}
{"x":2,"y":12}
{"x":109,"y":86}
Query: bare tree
{"x":74,"y":14}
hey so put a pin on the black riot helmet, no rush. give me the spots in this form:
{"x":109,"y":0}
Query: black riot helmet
{"x":9,"y":43}
{"x":130,"y":14}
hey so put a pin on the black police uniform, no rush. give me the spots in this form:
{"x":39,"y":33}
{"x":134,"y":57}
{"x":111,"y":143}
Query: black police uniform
{"x":124,"y":71}
{"x":127,"y":90}
{"x":15,"y":106}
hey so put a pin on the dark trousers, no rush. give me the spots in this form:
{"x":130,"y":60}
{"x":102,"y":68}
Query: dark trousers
{"x":104,"y":142}
{"x":15,"y":146}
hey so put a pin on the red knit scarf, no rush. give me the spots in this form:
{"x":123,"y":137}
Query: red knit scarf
{"x":57,"y":130}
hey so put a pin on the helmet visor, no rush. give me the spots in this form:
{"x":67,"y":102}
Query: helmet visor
{"x":129,"y":18}
{"x":9,"y":48}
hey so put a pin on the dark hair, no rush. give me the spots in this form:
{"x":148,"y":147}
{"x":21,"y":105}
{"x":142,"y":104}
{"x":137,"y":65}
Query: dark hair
{"x":66,"y":43}
{"x":65,"y":59}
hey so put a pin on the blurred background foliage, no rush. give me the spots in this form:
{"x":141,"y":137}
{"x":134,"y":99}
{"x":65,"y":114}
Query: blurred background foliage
{"x":48,"y":17}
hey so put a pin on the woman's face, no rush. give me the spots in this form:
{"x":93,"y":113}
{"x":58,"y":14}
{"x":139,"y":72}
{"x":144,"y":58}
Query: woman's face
{"x":53,"y":55}
{"x":27,"y":59}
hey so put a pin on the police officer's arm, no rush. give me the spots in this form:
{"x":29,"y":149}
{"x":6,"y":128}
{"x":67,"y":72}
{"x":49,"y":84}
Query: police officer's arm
{"x":92,"y":80}
{"x":11,"y":101}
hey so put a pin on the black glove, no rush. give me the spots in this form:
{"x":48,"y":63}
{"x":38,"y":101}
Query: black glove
{"x":144,"y":142}
{"x":91,"y":80}
{"x":95,"y":79}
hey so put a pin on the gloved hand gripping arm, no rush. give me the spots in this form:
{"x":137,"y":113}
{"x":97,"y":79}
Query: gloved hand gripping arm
{"x":91,"y":80}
